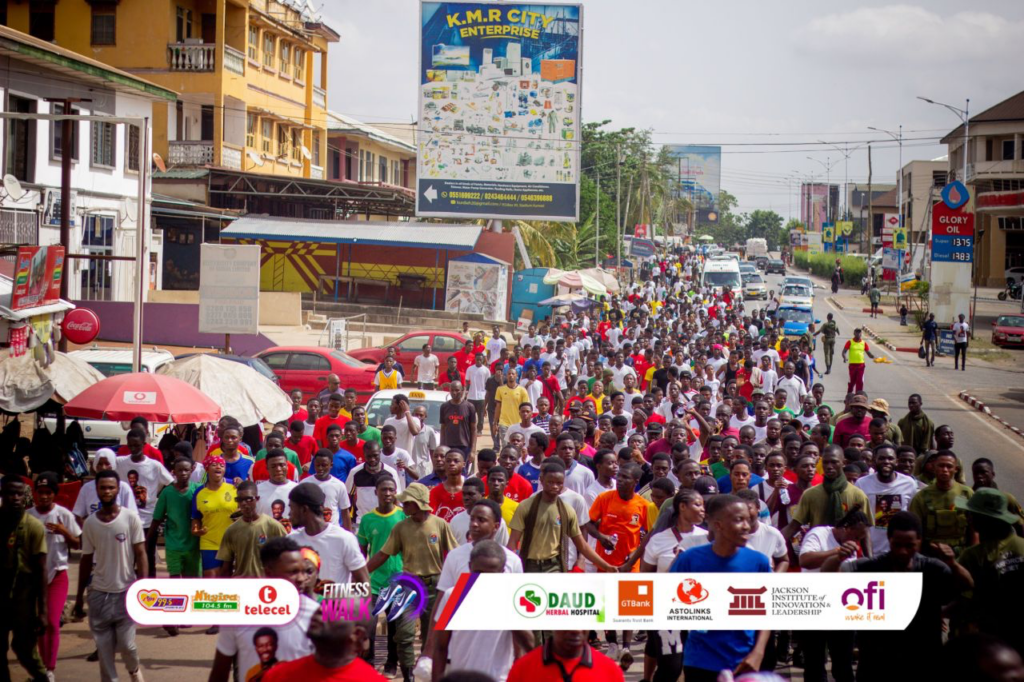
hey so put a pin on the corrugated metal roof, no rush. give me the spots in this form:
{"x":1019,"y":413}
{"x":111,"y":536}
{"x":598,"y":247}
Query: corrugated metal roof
{"x":181,"y":174}
{"x":341,"y":123}
{"x":410,"y":234}
{"x":1010,"y":109}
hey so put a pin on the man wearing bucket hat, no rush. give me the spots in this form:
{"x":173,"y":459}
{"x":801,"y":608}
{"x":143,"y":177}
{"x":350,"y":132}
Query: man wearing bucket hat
{"x":879,"y":409}
{"x":997,"y":565}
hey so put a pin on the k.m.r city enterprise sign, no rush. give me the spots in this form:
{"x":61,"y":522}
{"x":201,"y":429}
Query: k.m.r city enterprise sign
{"x":953,"y":226}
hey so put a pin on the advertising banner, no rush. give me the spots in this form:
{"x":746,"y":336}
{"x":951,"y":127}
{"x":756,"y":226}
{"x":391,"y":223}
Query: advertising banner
{"x":212,"y":601}
{"x":37,"y":276}
{"x":814,"y":244}
{"x":697,"y":171}
{"x":499,"y":110}
{"x":643,"y":248}
{"x":844,"y":228}
{"x":478,"y":288}
{"x":682,"y":601}
{"x":229,"y":289}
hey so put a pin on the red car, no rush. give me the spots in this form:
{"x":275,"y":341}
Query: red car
{"x":307,"y":368}
{"x":443,"y":344}
{"x":1008,"y":330}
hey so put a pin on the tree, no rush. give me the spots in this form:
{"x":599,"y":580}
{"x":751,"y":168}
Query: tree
{"x":766,"y":225}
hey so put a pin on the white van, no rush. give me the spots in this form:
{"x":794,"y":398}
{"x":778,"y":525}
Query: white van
{"x":720,"y":273}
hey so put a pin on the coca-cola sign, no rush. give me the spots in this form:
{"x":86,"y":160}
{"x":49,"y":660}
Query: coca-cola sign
{"x":81,"y":325}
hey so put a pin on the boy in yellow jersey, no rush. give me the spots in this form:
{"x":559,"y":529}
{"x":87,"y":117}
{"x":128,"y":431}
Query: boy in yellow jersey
{"x":389,"y":377}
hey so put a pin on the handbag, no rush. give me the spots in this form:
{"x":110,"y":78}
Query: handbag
{"x":921,"y":352}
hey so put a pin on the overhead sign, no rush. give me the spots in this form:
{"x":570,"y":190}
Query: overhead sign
{"x":499,"y":110}
{"x":229,"y":289}
{"x":844,"y":228}
{"x":37,"y":275}
{"x":697,"y":171}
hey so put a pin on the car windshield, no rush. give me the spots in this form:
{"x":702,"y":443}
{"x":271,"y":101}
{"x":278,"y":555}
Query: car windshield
{"x":111,"y":369}
{"x":753,"y":279}
{"x":262,"y":368}
{"x":796,"y":290}
{"x":722,"y":279}
{"x":379,"y":409}
{"x":796,"y":315}
{"x":1010,"y":321}
{"x":775,"y":262}
{"x":346,"y":359}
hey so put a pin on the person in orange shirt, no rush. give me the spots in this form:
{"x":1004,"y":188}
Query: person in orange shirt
{"x":618,"y":521}
{"x":333,"y":415}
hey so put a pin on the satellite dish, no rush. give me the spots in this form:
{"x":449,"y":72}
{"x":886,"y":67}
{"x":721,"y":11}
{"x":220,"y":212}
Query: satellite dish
{"x":13,"y":187}
{"x":131,"y":208}
{"x":305,"y":153}
{"x":159,"y":161}
{"x":256,"y":159}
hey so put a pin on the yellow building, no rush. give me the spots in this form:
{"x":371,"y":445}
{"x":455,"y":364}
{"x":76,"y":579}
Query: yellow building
{"x":251,"y":74}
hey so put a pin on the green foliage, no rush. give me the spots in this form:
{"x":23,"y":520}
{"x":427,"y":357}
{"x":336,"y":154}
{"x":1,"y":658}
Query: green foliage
{"x":822,"y":265}
{"x":733,"y":228}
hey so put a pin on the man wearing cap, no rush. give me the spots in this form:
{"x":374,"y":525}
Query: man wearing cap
{"x":879,"y":409}
{"x":997,"y":565}
{"x":88,"y":502}
{"x":341,"y":559}
{"x":853,"y":353}
{"x":424,"y":541}
{"x":857,"y":422}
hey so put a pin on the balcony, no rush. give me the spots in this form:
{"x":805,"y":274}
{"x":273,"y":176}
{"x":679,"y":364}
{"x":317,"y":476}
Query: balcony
{"x":319,"y":97}
{"x":988,"y":170}
{"x":234,"y":61}
{"x":194,"y":57}
{"x":190,"y":152}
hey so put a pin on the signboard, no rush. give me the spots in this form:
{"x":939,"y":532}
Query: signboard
{"x":478,"y":287}
{"x":946,"y":344}
{"x":499,"y":110}
{"x":828,"y":234}
{"x":844,"y":228}
{"x":891,"y":259}
{"x":697,"y":171}
{"x":81,"y":326}
{"x":229,"y":289}
{"x":889,"y":224}
{"x":908,"y":281}
{"x":813,"y":241}
{"x":642,"y":247}
{"x":51,"y":208}
{"x":641,"y":232}
{"x":899,"y":239}
{"x":37,"y":276}
{"x":950,"y":286}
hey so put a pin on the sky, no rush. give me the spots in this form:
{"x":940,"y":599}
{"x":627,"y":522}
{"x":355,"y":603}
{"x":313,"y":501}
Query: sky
{"x":731,"y":72}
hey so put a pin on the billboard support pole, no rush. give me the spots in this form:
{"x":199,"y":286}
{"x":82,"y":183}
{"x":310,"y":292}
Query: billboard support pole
{"x":618,"y":205}
{"x":597,"y":235}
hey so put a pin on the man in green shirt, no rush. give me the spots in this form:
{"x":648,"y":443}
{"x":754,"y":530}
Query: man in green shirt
{"x":276,"y":441}
{"x":939,"y":505}
{"x":917,"y":427}
{"x":374,"y":531}
{"x":366,"y":433}
{"x":22,"y":578}
{"x":423,"y":540}
{"x":829,"y":331}
{"x":240,"y":546}
{"x":174,"y":507}
{"x":875,"y":297}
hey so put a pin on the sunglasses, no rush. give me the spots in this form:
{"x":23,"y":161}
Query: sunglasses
{"x":245,"y":499}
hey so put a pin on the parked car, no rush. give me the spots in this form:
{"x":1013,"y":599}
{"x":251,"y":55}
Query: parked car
{"x":754,"y":287}
{"x":442,"y":343}
{"x":378,"y":408}
{"x":255,"y":364}
{"x":1015,"y":273}
{"x":775,"y":266}
{"x":111,"y":362}
{"x":307,"y":368}
{"x":1008,"y":330}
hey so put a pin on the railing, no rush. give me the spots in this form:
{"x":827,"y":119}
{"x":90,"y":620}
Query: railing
{"x":338,"y":328}
{"x":319,"y":97}
{"x":234,"y":61}
{"x":190,"y":152}
{"x":230,"y":157}
{"x":192,"y":57}
{"x":316,"y":172}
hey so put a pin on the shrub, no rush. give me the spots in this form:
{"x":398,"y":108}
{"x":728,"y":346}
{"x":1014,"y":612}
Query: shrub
{"x":822,"y":264}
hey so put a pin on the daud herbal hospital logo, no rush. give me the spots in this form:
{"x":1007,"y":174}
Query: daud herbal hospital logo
{"x":530,"y":601}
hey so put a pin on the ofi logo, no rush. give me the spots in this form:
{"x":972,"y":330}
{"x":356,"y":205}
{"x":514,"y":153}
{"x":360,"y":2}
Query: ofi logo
{"x":853,"y":599}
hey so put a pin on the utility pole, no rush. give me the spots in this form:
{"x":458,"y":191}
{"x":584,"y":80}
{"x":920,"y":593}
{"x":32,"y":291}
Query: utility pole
{"x":869,"y":229}
{"x":618,"y":205}
{"x":597,"y":219}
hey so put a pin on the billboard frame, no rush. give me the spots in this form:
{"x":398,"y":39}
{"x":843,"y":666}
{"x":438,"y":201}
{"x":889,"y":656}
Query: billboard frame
{"x":578,"y":142}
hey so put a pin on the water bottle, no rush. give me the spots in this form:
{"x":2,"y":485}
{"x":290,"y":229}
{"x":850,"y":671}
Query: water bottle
{"x":615,"y":540}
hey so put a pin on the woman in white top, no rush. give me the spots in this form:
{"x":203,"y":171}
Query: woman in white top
{"x":681,"y":535}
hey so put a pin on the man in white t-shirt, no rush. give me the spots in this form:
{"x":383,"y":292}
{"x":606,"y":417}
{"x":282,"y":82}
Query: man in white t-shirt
{"x":961,"y":333}
{"x":888,"y":492}
{"x":336,"y":504}
{"x":425,"y":367}
{"x":341,"y":561}
{"x":274,"y":491}
{"x":405,"y":424}
{"x":620,"y":370}
{"x":476,"y":380}
{"x":764,"y":537}
{"x":146,"y":477}
{"x":242,"y":646}
{"x":473,"y":492}
{"x":794,"y":387}
{"x":484,"y":520}
{"x":495,"y":344}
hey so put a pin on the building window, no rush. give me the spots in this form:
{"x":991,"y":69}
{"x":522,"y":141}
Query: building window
{"x":40,"y":21}
{"x":1008,"y":150}
{"x":183,"y":27}
{"x":104,"y":24}
{"x":19,"y":150}
{"x":383,"y":163}
{"x":103,"y":144}
{"x":268,"y":49}
{"x":250,"y":130}
{"x":57,"y":136}
{"x":282,"y":141}
{"x":296,"y":144}
{"x":267,"y":135}
{"x":286,"y":58}
{"x":938,"y":178}
{"x":97,"y":240}
{"x":300,"y":64}
{"x":316,"y":147}
{"x":131,"y":161}
{"x":254,"y":43}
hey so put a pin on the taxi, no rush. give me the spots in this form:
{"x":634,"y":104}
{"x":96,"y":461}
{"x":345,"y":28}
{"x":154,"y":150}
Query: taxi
{"x":378,"y":408}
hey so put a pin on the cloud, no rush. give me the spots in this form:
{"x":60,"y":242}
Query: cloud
{"x":912,"y":35}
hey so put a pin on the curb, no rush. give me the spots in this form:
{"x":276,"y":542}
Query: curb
{"x":836,"y":303}
{"x":981,"y":407}
{"x":874,"y":337}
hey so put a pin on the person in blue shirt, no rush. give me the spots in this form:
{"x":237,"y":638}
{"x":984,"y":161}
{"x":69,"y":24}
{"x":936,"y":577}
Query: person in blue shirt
{"x":740,"y":475}
{"x":709,"y":652}
{"x":534,"y":361}
{"x":344,"y":461}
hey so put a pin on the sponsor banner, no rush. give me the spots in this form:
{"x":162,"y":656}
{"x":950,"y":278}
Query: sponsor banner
{"x":643,"y":248}
{"x":844,"y":228}
{"x":37,"y":275}
{"x":212,"y":601}
{"x":229,"y":289}
{"x":697,"y":174}
{"x":499,"y":110}
{"x":680,"y":601}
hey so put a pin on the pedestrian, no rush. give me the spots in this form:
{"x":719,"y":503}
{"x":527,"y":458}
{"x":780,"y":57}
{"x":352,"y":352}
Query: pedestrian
{"x":508,"y":399}
{"x":425,"y":368}
{"x":240,"y":546}
{"x":23,"y":581}
{"x":174,"y":511}
{"x":113,"y":557}
{"x":88,"y":501}
{"x":333,"y":386}
{"x":929,"y":337}
{"x":961,"y":334}
{"x":547,"y":662}
{"x":459,"y":421}
{"x":150,"y":477}
{"x":335,"y":658}
{"x":943,"y":518}
{"x":337,"y":504}
{"x":212,"y":508}
{"x":917,"y":428}
{"x":854,"y":352}
{"x":709,"y":651}
{"x":889,"y":492}
{"x":826,"y":504}
{"x":342,"y":562}
{"x":837,"y":277}
{"x":903,"y":314}
{"x":361,"y":485}
{"x":273,"y":493}
{"x":874,"y":297}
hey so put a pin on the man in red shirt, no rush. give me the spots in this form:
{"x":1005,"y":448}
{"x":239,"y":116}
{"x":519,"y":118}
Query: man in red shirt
{"x":147,"y":449}
{"x":332,"y":416}
{"x":855,"y":423}
{"x":465,"y":357}
{"x":335,"y":657}
{"x":565,"y":656}
{"x":352,"y":444}
{"x":518,"y":488}
{"x":551,"y":390}
{"x":303,"y":445}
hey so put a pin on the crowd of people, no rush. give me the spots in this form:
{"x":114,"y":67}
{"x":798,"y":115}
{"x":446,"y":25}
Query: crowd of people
{"x":670,"y":429}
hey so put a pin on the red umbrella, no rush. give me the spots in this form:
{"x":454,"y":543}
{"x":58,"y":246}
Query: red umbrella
{"x":156,"y":397}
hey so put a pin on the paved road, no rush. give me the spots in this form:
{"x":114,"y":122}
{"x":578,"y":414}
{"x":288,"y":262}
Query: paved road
{"x":977,"y":435}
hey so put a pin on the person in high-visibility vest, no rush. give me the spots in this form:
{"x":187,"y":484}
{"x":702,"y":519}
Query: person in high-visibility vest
{"x":854,"y":352}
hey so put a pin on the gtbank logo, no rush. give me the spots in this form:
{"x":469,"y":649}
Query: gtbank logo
{"x":854,"y":599}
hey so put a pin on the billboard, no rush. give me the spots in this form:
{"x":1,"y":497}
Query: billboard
{"x":229,"y":289}
{"x":37,"y":276}
{"x":499,"y":110}
{"x":697,"y":174}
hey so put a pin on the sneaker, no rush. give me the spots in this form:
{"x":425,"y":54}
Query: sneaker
{"x":137,"y":676}
{"x":612,"y":651}
{"x":50,"y":677}
{"x":625,"y":660}
{"x":390,"y":670}
{"x":93,"y":657}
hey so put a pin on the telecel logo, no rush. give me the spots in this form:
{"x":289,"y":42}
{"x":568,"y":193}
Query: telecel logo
{"x":871,"y":598}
